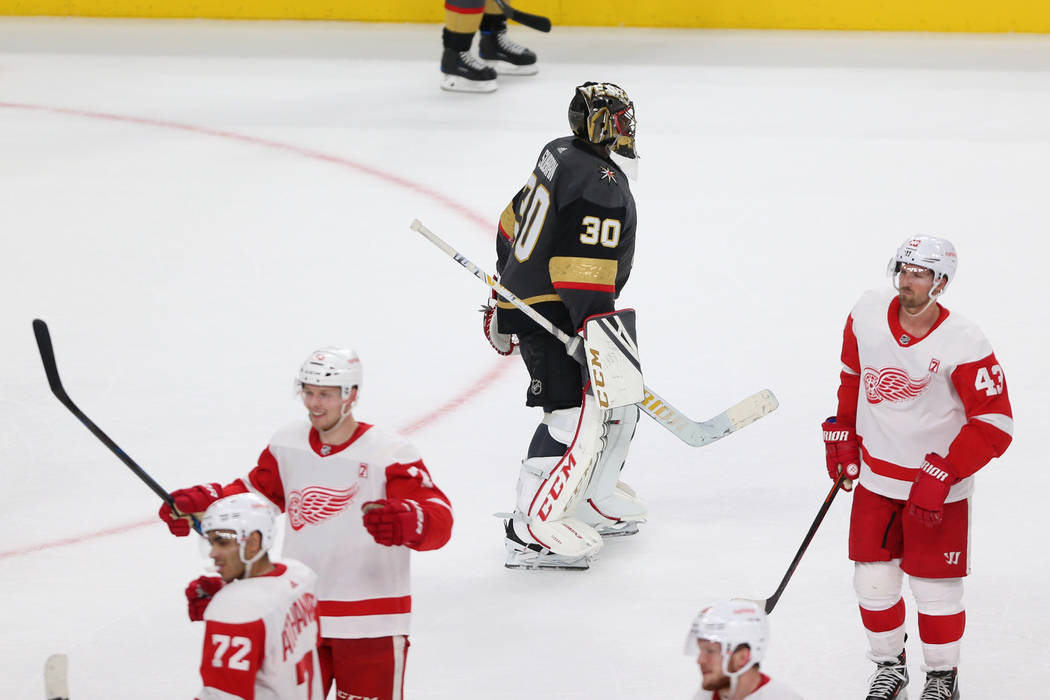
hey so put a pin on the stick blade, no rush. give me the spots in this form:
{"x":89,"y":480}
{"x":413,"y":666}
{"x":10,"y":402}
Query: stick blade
{"x":56,"y":676}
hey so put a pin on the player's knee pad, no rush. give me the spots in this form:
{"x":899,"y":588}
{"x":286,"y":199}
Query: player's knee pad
{"x":878,"y":584}
{"x":607,"y":499}
{"x":937,"y":596}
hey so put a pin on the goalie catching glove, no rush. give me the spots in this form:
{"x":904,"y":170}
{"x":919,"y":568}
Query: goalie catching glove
{"x":503,"y":343}
{"x":394,"y":521}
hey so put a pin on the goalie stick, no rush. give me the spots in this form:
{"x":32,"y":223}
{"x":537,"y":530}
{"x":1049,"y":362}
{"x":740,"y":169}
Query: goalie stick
{"x":47,"y":356}
{"x":694,"y":433}
{"x":770,"y":602}
{"x":56,"y":678}
{"x":537,"y":22}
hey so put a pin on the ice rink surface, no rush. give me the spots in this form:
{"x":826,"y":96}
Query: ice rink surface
{"x":195,"y":206}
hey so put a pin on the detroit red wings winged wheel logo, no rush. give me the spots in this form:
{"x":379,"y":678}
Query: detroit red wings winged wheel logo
{"x":892,"y":384}
{"x":315,"y":504}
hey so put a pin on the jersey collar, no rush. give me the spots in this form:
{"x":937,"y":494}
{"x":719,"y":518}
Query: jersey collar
{"x":324,"y":450}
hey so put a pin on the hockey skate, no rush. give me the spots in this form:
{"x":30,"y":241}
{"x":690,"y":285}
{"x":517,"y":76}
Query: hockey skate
{"x":941,"y":685}
{"x":506,"y":56}
{"x":890,"y":680}
{"x":522,"y":555}
{"x":462,"y":72}
{"x":617,"y":515}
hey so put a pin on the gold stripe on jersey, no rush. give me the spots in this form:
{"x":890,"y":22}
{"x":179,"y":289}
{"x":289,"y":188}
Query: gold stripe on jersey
{"x":586,"y":271}
{"x":506,"y":221}
{"x":530,"y":301}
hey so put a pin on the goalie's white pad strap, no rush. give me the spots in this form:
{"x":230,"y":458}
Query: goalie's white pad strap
{"x":612,"y":359}
{"x":568,"y":536}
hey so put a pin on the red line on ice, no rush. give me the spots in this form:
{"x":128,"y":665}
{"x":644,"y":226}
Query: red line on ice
{"x":453,"y":404}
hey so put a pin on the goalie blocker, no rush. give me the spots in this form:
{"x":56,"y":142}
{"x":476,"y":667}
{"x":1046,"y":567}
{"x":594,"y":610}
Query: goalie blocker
{"x":568,"y":491}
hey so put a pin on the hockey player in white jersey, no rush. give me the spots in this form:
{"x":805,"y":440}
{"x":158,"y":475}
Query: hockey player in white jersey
{"x":260,"y":626}
{"x":358,"y":500}
{"x":729,"y":639}
{"x":922,"y":406}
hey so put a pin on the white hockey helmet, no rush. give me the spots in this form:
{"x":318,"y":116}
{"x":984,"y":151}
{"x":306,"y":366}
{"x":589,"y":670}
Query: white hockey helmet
{"x":331,"y":366}
{"x":243,"y":513}
{"x":731,"y":623}
{"x":931,"y":252}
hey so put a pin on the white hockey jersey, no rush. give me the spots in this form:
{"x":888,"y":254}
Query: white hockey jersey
{"x":261,"y":636}
{"x":943,"y":393}
{"x":362,"y":587}
{"x":769,"y":690}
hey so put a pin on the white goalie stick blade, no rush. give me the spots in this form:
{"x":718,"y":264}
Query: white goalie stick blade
{"x":699,"y":433}
{"x":56,"y":678}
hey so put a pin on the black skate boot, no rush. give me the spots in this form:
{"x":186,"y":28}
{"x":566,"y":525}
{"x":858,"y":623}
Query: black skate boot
{"x":890,"y":680}
{"x":507,"y":57}
{"x":941,"y":685}
{"x":461,"y":71}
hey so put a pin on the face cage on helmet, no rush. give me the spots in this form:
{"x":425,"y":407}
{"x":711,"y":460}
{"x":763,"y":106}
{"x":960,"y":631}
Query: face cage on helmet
{"x":242,"y":543}
{"x":893,"y":270}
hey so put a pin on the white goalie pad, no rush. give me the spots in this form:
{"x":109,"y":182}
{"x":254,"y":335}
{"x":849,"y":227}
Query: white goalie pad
{"x":549,"y":489}
{"x":607,"y":500}
{"x":612,"y":359}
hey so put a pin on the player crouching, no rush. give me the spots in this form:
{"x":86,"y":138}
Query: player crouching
{"x":261,"y":627}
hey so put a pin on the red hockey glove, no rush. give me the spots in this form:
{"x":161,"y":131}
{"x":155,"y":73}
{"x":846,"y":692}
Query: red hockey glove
{"x":199,"y":594}
{"x":394,"y":521}
{"x":503,"y":343}
{"x":195,"y":499}
{"x":926,"y":500}
{"x":841,"y":451}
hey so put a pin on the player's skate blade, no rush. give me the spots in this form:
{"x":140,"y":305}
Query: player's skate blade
{"x":529,"y":559}
{"x":504,"y":68}
{"x":621,"y":529}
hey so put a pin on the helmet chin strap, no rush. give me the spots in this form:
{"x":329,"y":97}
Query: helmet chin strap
{"x":248,"y":563}
{"x":734,"y":676}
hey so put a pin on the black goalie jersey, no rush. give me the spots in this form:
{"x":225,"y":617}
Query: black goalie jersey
{"x":566,"y":240}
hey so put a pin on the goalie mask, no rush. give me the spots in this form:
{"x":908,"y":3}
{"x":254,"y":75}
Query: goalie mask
{"x":936,"y":254}
{"x":731,"y":623}
{"x":603,"y":114}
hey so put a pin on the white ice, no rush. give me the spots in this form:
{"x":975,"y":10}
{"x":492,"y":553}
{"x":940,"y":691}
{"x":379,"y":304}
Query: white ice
{"x":194,"y":206}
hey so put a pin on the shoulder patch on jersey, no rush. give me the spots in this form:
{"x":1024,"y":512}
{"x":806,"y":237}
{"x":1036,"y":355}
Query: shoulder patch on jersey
{"x":607,"y":174}
{"x":547,"y":164}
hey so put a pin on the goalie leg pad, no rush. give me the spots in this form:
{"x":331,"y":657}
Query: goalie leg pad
{"x":608,"y":503}
{"x":549,"y":488}
{"x":611,"y":352}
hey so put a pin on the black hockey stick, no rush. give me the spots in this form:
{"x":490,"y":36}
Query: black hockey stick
{"x":537,"y":22}
{"x":771,"y":601}
{"x":47,"y":356}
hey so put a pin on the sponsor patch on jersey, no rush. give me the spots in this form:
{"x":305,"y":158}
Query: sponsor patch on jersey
{"x":315,"y":504}
{"x":547,"y":164}
{"x":892,"y":384}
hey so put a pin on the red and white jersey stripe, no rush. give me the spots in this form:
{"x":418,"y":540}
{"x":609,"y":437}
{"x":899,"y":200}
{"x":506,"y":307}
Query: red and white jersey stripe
{"x":362,"y":587}
{"x":944,"y":392}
